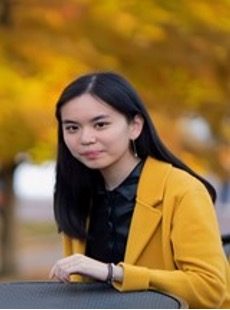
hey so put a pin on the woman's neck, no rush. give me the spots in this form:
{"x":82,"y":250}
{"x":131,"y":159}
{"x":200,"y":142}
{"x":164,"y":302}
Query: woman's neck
{"x":115,"y":175}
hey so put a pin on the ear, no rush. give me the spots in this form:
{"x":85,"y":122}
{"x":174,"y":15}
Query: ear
{"x":136,"y":126}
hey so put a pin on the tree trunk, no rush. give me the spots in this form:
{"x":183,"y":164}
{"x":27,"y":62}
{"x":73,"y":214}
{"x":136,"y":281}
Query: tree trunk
{"x":8,"y":261}
{"x":6,"y":12}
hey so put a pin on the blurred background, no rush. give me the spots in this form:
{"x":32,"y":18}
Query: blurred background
{"x":175,"y":53}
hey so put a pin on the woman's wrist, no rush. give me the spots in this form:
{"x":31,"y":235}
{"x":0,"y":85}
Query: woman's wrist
{"x":118,"y":274}
{"x":115,"y":273}
{"x":110,"y":276}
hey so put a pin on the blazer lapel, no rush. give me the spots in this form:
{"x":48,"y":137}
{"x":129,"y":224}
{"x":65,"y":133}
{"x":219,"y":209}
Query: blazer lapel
{"x":146,"y":216}
{"x":144,"y":222}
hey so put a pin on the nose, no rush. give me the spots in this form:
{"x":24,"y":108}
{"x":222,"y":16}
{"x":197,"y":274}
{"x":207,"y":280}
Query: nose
{"x":87,"y":136}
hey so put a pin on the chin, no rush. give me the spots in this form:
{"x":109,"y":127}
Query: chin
{"x":95,"y":165}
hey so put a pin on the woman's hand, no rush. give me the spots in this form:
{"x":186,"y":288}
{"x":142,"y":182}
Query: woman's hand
{"x":83,"y":265}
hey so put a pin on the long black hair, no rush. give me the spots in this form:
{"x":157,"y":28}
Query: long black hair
{"x":74,"y":181}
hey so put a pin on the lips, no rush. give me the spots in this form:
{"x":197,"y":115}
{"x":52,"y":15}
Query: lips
{"x":91,"y":154}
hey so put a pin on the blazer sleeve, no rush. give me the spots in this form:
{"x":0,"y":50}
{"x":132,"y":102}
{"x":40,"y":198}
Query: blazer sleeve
{"x":201,"y":268}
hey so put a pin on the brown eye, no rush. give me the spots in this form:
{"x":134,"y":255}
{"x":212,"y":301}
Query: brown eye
{"x":71,"y":128}
{"x":101,"y":125}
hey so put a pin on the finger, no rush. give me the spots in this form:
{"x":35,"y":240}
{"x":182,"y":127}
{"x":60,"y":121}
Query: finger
{"x":59,"y":272}
{"x":65,"y":267}
{"x":52,"y":272}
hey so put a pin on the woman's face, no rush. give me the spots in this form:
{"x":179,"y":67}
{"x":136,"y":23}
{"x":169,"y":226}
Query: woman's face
{"x":96,"y":134}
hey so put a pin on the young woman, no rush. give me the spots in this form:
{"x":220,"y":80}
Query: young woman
{"x":129,"y":211}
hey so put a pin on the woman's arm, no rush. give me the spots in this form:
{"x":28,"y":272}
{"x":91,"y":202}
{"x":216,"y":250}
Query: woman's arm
{"x":201,"y":269}
{"x":85,"y":266}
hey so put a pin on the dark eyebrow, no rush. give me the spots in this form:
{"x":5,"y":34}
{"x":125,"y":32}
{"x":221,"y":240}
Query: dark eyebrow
{"x":99,"y":117}
{"x":94,"y":119}
{"x":69,"y":122}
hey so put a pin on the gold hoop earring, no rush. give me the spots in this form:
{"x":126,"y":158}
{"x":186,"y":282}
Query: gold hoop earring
{"x":134,"y":148}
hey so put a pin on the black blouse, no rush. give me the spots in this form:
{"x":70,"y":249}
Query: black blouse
{"x":110,"y":220}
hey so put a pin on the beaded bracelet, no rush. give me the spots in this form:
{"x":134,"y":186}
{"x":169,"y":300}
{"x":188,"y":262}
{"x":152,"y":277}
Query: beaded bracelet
{"x":110,"y":276}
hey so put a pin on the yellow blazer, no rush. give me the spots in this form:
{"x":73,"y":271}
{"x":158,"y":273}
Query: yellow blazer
{"x":174,"y":241}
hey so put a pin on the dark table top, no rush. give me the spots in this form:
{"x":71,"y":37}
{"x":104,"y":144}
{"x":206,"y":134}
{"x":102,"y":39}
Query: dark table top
{"x":56,"y":295}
